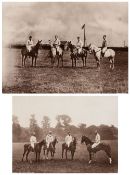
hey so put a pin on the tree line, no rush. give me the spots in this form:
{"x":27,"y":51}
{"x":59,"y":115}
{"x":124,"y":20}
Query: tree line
{"x":63,"y":125}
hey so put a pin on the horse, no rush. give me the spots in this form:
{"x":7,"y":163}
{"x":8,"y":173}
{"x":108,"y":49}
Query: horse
{"x":36,"y":150}
{"x":102,"y":146}
{"x":55,"y":54}
{"x":110,"y":54}
{"x":71,"y":148}
{"x":74,"y":55}
{"x":51,"y":148}
{"x":33,"y":53}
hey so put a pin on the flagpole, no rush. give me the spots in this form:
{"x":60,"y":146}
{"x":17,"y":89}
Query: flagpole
{"x":84,"y":36}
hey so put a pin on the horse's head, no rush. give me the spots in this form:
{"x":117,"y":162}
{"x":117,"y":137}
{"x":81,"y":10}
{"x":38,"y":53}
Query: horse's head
{"x":38,"y":43}
{"x":90,"y":48}
{"x":83,"y":139}
{"x":56,"y":140}
{"x":86,"y":140}
{"x":43,"y":142}
{"x":74,"y":140}
{"x":71,"y":46}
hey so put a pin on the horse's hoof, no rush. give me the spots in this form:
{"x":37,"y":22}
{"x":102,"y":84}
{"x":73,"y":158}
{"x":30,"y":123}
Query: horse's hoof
{"x":110,"y":161}
{"x":90,"y":162}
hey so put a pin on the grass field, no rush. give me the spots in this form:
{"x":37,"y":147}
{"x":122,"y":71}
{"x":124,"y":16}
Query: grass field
{"x":79,"y":164}
{"x":44,"y":79}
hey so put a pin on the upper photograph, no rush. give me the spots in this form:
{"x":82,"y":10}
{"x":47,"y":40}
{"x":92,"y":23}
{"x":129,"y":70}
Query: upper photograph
{"x":65,"y":47}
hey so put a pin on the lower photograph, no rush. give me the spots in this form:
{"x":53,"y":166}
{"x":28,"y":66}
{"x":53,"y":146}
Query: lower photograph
{"x":65,"y":134}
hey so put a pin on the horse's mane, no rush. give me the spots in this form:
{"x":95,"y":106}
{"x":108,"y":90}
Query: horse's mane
{"x":87,"y":139}
{"x":42,"y":141}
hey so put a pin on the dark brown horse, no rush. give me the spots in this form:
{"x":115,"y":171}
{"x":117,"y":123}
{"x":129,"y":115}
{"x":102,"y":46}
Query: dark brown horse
{"x":33,"y":53}
{"x":74,"y":55}
{"x":36,"y":150}
{"x":51,"y":149}
{"x":71,"y":148}
{"x":102,"y":146}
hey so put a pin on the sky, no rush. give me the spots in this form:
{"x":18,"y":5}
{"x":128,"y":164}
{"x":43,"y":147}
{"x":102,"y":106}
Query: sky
{"x":45,"y":20}
{"x":91,"y":110}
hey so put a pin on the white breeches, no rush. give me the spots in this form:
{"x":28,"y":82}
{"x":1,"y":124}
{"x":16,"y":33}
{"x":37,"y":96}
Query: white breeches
{"x":48,"y":143}
{"x":95,"y":144}
{"x":58,"y":48}
{"x":29,"y":48}
{"x":32,"y":144}
{"x":68,"y":143}
{"x":104,"y":49}
{"x":79,"y":50}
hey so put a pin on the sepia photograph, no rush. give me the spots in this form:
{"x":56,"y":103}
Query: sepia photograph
{"x":65,"y":47}
{"x":65,"y":134}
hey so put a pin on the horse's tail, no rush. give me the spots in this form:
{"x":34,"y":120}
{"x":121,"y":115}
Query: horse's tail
{"x":108,"y":150}
{"x":62,"y":150}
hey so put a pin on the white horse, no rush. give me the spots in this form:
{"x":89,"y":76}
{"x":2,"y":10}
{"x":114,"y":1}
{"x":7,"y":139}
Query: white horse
{"x":110,"y":54}
{"x":56,"y":53}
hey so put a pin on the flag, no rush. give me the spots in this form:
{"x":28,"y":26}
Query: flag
{"x":83,"y":26}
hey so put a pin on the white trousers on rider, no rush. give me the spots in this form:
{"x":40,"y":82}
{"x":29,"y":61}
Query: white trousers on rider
{"x":48,"y":143}
{"x":29,"y":48}
{"x":32,"y":144}
{"x":68,"y":144}
{"x":58,"y":48}
{"x":95,"y":144}
{"x":79,"y":50}
{"x":104,"y":49}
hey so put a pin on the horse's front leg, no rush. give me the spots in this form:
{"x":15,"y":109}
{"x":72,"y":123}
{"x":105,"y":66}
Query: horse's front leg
{"x":72,"y":155}
{"x":75,"y":61}
{"x":58,"y":61}
{"x":35,"y":61}
{"x":36,"y":156}
{"x":62,"y":61}
{"x":47,"y":154}
{"x":66,"y":154}
{"x":98,"y":64}
{"x":83,"y":61}
{"x":27,"y":155}
{"x":23,"y":155}
{"x":111,"y":63}
{"x":72,"y":62}
{"x":62,"y":153}
{"x":24,"y":60}
{"x":32,"y":60}
{"x":90,"y":157}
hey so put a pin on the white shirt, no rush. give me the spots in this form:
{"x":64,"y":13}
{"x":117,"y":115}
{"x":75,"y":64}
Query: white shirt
{"x":79,"y":44}
{"x":57,"y":42}
{"x":29,"y":42}
{"x":68,"y":139}
{"x":49,"y":138}
{"x":33,"y":139}
{"x":97,"y":138}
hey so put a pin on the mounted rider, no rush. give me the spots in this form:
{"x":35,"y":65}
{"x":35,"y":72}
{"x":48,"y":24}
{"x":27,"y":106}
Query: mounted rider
{"x":104,"y":45}
{"x":68,"y":139}
{"x":57,"y":43}
{"x":29,"y":44}
{"x":49,"y":139}
{"x":97,"y":139}
{"x":79,"y":45}
{"x":33,"y":140}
